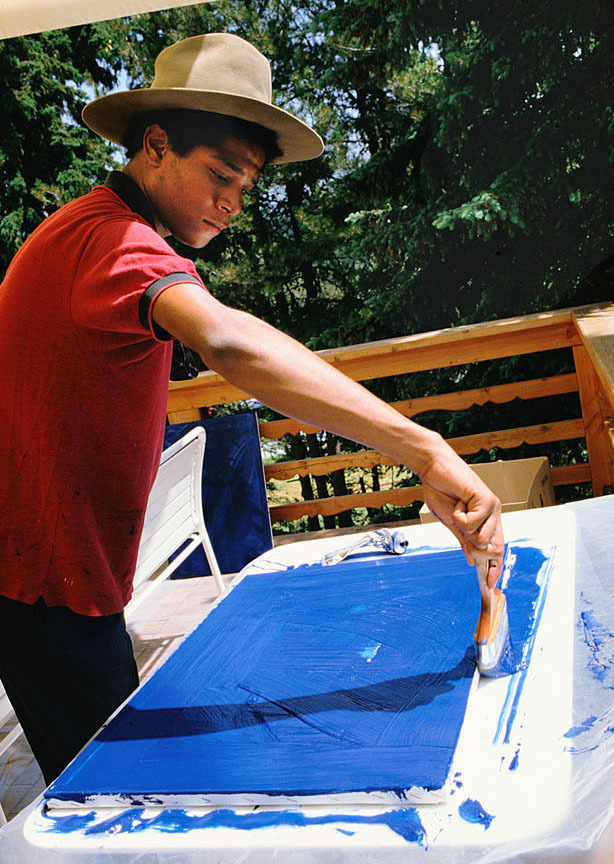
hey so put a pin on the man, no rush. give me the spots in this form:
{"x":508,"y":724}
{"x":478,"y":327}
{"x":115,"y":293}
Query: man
{"x":88,"y":310}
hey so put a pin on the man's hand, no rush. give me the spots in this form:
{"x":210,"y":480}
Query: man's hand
{"x":465,"y":505}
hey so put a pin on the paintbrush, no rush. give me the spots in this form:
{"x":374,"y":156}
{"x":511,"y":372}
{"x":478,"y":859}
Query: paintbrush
{"x":492,"y":634}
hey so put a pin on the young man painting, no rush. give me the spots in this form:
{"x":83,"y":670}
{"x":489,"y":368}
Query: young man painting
{"x":88,"y":311}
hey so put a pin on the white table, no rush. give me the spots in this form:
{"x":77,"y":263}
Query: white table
{"x":533,"y":775}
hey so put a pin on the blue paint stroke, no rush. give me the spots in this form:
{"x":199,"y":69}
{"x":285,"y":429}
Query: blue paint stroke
{"x":526,"y":596}
{"x":472,"y":811}
{"x":576,"y":750}
{"x":390,"y":696}
{"x":75,"y":823}
{"x":403,"y":821}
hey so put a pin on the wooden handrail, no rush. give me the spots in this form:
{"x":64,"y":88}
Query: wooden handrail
{"x":456,"y":401}
{"x":453,"y":346}
{"x":588,"y":331}
{"x":398,"y":497}
{"x":332,"y":506}
{"x":465,"y":445}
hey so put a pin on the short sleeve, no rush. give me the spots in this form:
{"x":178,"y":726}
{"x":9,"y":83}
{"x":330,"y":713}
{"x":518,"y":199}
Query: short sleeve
{"x":123,"y":269}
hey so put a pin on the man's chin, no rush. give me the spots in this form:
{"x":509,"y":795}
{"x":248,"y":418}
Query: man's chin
{"x":193,"y":242}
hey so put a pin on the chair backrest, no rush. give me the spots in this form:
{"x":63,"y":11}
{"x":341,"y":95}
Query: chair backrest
{"x":174,"y":514}
{"x":174,"y":509}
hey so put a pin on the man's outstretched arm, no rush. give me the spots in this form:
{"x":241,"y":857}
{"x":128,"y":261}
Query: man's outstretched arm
{"x":289,"y":378}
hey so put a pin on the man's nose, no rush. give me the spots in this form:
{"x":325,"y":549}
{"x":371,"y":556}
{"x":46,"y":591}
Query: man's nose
{"x":229,"y":202}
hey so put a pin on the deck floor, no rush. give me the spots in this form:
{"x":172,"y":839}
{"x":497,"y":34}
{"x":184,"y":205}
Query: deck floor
{"x":157,"y":627}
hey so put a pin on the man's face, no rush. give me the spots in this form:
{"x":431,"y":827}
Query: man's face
{"x":195,"y":196}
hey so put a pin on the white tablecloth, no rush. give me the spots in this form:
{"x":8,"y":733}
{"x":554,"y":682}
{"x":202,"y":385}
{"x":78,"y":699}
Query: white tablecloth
{"x":546,"y":794}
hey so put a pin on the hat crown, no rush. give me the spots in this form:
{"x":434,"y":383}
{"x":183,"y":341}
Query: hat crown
{"x":215,"y":72}
{"x":214,"y":62}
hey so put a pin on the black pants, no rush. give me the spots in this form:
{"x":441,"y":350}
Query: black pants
{"x":64,"y":674}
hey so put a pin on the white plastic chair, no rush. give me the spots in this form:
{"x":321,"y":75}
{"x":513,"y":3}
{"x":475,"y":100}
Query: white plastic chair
{"x":7,"y":714}
{"x":174,"y":515}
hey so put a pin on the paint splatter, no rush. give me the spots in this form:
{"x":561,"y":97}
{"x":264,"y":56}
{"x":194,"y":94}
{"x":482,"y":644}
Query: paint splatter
{"x":578,"y":730}
{"x":472,"y":811}
{"x":456,"y":784}
{"x":600,"y":642}
{"x":598,"y":730}
{"x":514,"y":763}
{"x":403,"y":821}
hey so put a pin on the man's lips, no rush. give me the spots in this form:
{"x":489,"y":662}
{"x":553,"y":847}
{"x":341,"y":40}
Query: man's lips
{"x":218,"y":225}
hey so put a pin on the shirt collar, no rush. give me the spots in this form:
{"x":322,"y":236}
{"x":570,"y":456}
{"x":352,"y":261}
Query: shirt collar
{"x":131,"y":194}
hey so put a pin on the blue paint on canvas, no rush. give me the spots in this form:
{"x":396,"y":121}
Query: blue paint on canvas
{"x":527,"y":591}
{"x":403,"y":821}
{"x":350,"y":678}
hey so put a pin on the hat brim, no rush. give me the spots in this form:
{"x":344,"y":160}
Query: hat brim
{"x":109,"y":115}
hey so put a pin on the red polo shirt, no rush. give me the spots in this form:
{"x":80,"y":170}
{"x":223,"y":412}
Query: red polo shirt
{"x":83,"y":395}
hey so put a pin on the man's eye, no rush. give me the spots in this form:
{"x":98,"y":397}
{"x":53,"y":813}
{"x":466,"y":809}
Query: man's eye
{"x":220,"y":177}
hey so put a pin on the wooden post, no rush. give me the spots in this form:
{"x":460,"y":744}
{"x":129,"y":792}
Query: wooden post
{"x":597,"y":423}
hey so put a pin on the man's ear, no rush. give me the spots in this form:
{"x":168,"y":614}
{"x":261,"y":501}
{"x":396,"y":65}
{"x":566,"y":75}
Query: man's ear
{"x":155,"y":144}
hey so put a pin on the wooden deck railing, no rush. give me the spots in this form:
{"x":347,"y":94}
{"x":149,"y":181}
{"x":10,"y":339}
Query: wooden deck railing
{"x":588,"y":331}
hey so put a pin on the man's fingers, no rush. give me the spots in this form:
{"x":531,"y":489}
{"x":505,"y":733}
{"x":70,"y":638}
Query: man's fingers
{"x":475,"y":521}
{"x":494,"y":571}
{"x":482,"y":526}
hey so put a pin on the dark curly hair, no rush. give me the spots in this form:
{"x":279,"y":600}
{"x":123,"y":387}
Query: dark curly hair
{"x":187,"y":129}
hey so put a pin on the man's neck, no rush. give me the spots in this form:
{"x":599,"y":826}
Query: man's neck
{"x":133,"y":171}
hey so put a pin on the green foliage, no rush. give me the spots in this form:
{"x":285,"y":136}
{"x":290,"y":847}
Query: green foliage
{"x":467,"y":174}
{"x":47,"y":156}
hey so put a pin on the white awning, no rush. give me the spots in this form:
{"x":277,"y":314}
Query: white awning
{"x":21,"y":17}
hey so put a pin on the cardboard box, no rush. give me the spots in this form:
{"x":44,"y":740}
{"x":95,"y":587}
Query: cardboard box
{"x":520,"y":484}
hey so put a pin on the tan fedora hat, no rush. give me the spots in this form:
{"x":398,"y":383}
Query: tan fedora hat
{"x":216,"y":72}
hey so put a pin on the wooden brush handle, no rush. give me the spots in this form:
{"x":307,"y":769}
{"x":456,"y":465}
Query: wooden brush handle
{"x":487,"y":609}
